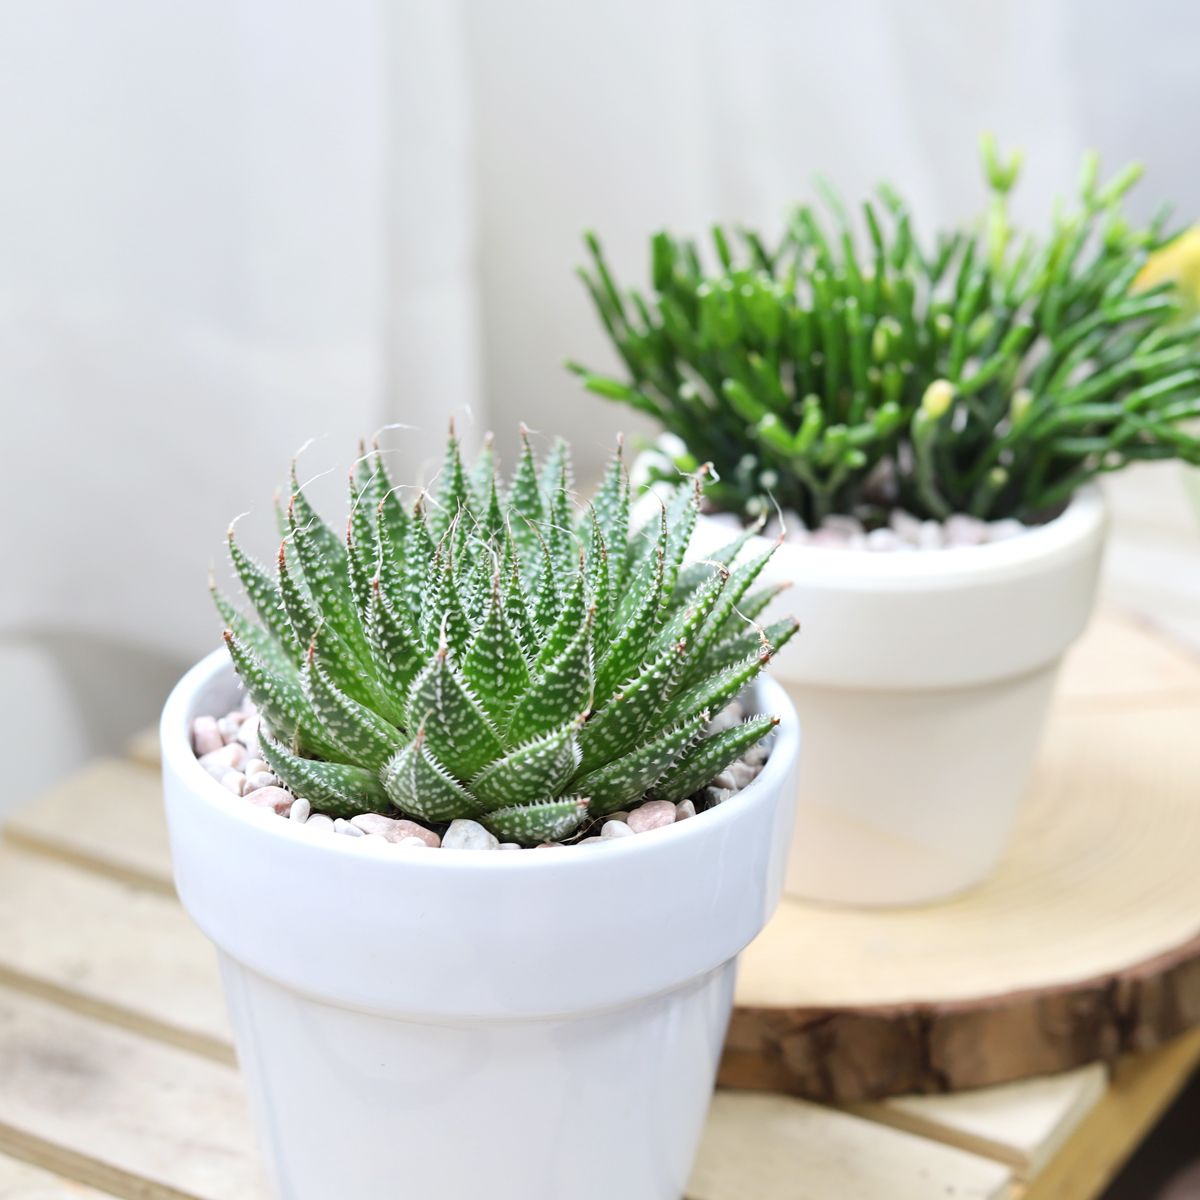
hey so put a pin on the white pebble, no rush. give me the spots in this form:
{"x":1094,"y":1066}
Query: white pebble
{"x":468,"y":835}
{"x":248,"y":733}
{"x":413,"y":841}
{"x":593,"y":838}
{"x":724,"y":781}
{"x":930,"y":537}
{"x":229,"y":726}
{"x":963,"y":530}
{"x":235,"y":781}
{"x":615,"y":829}
{"x":830,"y":539}
{"x":261,"y":779}
{"x":652,"y":815}
{"x":841,"y":523}
{"x":253,"y":765}
{"x":906,"y":525}
{"x":716,"y":795}
{"x":206,"y":736}
{"x":741,"y":773}
{"x":684,"y":809}
{"x":1001,"y":531}
{"x":227,"y":758}
{"x":300,"y":810}
{"x":509,"y":846}
{"x":341,"y":825}
{"x":319,"y":821}
{"x":885,"y":541}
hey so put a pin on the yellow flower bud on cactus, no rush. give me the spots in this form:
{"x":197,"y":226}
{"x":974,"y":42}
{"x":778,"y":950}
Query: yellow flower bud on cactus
{"x":1177,"y":262}
{"x":938,"y":398}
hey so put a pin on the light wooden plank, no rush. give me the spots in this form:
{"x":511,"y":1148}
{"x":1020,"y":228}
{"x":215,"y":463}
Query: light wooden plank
{"x":110,"y":949}
{"x":775,"y":1148}
{"x":1122,"y":660}
{"x":1023,"y":1124}
{"x":144,"y":749}
{"x":20,"y":1181}
{"x":1139,"y":1093}
{"x":107,"y":817}
{"x":120,"y":1112}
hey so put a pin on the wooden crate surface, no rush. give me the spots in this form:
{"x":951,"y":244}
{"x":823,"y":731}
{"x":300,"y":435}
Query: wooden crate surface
{"x":117,"y":1077}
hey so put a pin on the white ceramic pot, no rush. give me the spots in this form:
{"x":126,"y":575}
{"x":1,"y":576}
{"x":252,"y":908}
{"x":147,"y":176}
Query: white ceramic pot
{"x":454,"y":1024}
{"x":922,"y":681}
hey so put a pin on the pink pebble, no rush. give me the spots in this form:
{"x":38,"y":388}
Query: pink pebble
{"x":652,"y":815}
{"x":274,"y":798}
{"x":394,"y":829}
{"x":217,"y":762}
{"x":206,"y":736}
{"x":235,"y":781}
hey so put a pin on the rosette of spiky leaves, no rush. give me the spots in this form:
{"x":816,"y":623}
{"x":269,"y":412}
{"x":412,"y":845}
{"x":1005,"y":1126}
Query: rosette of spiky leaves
{"x":850,"y":368}
{"x":495,"y":652}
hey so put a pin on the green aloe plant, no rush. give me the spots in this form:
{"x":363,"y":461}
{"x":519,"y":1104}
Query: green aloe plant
{"x":852,"y":367}
{"x":496,"y":654}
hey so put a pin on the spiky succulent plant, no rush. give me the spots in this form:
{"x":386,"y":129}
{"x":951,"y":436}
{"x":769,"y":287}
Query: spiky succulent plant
{"x":495,"y":654}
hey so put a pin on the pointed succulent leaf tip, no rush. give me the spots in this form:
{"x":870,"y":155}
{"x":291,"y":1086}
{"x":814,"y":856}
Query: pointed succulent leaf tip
{"x":536,"y":768}
{"x":338,"y":789}
{"x":495,"y":667}
{"x":263,"y":594}
{"x":543,"y":821}
{"x":458,"y":732}
{"x":418,"y":785}
{"x":482,"y":478}
{"x":629,"y":777}
{"x":458,"y":676}
{"x":708,"y":758}
{"x":565,"y":685}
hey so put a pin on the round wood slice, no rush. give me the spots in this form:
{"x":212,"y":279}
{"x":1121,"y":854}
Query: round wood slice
{"x":1085,"y":944}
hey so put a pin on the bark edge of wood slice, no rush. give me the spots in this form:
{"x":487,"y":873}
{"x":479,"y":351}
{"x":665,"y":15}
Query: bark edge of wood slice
{"x":1084,"y":946}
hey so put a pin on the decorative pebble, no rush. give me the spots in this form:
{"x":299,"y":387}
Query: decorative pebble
{"x":253,"y":765}
{"x":593,"y":838}
{"x":229,"y":726}
{"x":261,"y":779}
{"x":741,"y":773}
{"x":319,"y":821}
{"x":217,"y":762}
{"x":509,"y":846}
{"x":652,"y":815}
{"x":300,"y":810}
{"x":884,"y":540}
{"x":723,"y":781}
{"x":235,"y":781}
{"x":248,"y":732}
{"x":930,"y":537}
{"x":394,"y":829}
{"x":962,"y":530}
{"x":341,"y":825}
{"x":829,"y":539}
{"x":905,"y":525}
{"x":413,"y":841}
{"x":206,"y":736}
{"x":468,"y":835}
{"x":684,"y":809}
{"x":615,"y":829}
{"x":272,"y":797}
{"x":1001,"y":531}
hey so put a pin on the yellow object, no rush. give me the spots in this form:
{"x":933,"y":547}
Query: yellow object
{"x":1177,"y":262}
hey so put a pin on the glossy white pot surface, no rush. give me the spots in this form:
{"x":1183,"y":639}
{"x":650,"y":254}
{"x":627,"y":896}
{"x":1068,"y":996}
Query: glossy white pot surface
{"x":537,"y":1025}
{"x":922,"y":681}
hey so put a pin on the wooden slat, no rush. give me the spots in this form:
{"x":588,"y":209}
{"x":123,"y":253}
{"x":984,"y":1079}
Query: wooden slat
{"x":1022,"y":1124}
{"x":1141,"y":1089}
{"x":108,"y":948}
{"x":773,"y":1148}
{"x":120,"y":1112}
{"x":107,"y":817}
{"x":20,"y":1181}
{"x":1121,"y":660}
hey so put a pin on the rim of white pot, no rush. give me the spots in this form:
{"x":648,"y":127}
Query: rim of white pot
{"x":1072,"y":531}
{"x":175,"y":733}
{"x":496,"y":934}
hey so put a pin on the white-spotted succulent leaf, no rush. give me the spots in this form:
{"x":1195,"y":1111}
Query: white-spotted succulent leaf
{"x":498,"y":653}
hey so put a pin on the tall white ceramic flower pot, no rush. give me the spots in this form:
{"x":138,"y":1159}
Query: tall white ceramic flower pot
{"x":456,"y":1024}
{"x":922,"y":681}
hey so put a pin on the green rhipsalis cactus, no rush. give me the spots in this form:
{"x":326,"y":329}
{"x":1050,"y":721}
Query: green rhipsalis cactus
{"x":987,"y":373}
{"x":491,"y":653}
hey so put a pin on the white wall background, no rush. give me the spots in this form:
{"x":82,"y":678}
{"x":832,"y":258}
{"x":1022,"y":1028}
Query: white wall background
{"x":229,"y":225}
